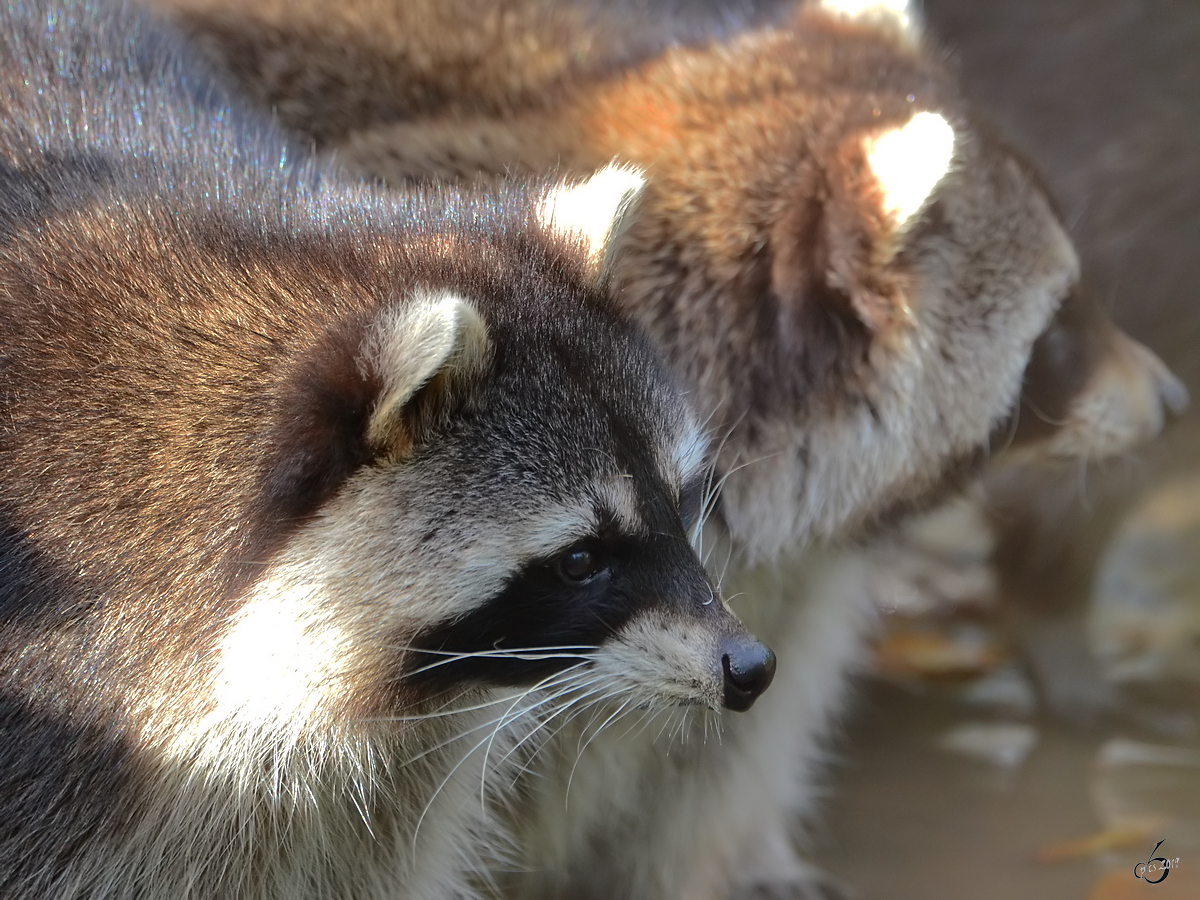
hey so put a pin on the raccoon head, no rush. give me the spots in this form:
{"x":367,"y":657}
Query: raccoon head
{"x":909,"y":265}
{"x":1089,"y":391}
{"x":519,"y":512}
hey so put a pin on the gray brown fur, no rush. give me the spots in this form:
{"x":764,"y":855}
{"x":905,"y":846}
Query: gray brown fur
{"x":760,"y":262}
{"x":210,"y":437}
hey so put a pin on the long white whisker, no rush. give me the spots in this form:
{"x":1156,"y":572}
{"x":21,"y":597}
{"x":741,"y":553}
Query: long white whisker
{"x":487,"y":752}
{"x":579,"y":756}
{"x":502,"y":719}
{"x":558,"y":678}
{"x":527,"y":654}
{"x":560,"y":710}
{"x":667,"y":721}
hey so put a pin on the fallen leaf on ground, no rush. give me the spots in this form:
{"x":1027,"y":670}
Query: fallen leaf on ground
{"x":1120,"y":884}
{"x":1122,"y":837}
{"x":931,"y":654}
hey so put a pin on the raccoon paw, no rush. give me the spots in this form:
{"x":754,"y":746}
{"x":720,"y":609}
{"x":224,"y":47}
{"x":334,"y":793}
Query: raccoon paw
{"x":814,"y":885}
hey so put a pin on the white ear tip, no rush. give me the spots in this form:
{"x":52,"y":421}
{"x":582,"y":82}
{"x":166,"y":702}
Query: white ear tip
{"x":618,"y":178}
{"x":909,"y":161}
{"x":898,"y":11}
{"x":592,"y":209}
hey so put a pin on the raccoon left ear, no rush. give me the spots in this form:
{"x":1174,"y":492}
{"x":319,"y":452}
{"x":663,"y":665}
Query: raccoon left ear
{"x":593,"y":212}
{"x":432,"y":338}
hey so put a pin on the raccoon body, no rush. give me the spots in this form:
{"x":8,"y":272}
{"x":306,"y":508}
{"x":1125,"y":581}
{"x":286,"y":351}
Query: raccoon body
{"x":866,"y":289}
{"x":313,"y":499}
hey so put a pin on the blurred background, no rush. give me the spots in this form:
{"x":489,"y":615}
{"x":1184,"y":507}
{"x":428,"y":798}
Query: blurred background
{"x":1031,"y":730}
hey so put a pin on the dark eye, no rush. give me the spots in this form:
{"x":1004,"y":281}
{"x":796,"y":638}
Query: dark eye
{"x":577,"y":565}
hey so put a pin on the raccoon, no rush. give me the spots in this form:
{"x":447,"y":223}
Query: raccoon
{"x":317,"y":503}
{"x":866,"y":288}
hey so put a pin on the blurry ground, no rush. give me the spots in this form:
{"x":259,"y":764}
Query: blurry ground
{"x":953,"y":784}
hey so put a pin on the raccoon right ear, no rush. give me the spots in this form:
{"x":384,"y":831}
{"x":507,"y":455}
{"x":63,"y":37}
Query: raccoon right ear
{"x":838,"y":243}
{"x":896,"y":15}
{"x":433,"y":339}
{"x":593,"y":212}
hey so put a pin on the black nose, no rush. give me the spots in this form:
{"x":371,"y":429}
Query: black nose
{"x":749,"y":667}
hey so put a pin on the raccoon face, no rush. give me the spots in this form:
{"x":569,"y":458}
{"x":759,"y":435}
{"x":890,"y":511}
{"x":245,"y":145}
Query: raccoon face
{"x":607,"y":580}
{"x":925,"y":298}
{"x":528,"y":514}
{"x":913,"y":266}
{"x":523,"y":516}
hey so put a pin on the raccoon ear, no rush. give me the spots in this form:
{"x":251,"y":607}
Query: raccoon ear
{"x":432,"y":338}
{"x":594,"y":211}
{"x":832,"y":252}
{"x":897,"y":15}
{"x":908,"y":162}
{"x":348,"y":399}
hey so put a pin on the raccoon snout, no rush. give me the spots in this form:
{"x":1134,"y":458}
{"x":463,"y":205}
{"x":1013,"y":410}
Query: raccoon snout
{"x":749,"y":668}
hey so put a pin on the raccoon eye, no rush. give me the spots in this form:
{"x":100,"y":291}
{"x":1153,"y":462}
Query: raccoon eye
{"x":578,"y":565}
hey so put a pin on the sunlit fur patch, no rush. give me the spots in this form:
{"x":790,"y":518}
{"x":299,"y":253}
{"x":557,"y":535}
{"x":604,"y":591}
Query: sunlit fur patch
{"x":909,"y":161}
{"x":896,"y":11}
{"x":278,"y":657}
{"x":594,"y":209}
{"x":280,"y":669}
{"x":661,"y":660}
